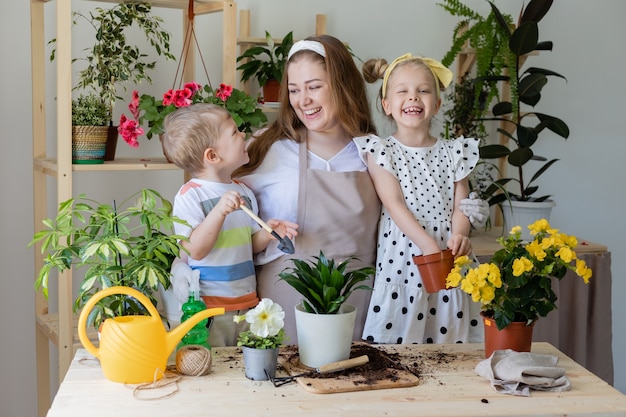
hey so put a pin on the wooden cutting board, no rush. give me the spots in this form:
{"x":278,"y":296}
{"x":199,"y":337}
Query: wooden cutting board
{"x":382,"y":372}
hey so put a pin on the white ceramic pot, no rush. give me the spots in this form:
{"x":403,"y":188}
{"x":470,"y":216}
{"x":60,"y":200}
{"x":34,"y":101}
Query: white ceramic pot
{"x":259,"y":361}
{"x":524,"y":213}
{"x":324,"y":338}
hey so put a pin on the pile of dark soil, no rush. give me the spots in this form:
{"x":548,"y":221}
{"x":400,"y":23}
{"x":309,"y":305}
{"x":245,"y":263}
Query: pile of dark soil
{"x":384,"y":364}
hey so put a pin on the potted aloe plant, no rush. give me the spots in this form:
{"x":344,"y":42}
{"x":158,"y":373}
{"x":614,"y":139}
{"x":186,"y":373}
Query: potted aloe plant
{"x":324,"y":319}
{"x":132,"y":244}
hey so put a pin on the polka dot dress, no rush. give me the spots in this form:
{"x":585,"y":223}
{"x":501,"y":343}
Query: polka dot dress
{"x":401,"y":311}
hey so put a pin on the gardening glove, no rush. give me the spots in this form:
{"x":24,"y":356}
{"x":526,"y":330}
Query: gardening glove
{"x":180,"y":277}
{"x":516,"y":373}
{"x":476,"y":209}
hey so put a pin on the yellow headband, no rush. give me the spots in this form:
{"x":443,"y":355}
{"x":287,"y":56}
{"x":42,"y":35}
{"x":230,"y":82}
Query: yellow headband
{"x":442,"y":74}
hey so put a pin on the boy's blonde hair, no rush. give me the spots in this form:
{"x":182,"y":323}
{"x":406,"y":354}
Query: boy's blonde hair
{"x":189,"y":131}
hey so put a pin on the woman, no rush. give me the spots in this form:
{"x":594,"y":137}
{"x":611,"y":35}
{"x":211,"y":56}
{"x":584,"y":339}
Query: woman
{"x":306,"y":169}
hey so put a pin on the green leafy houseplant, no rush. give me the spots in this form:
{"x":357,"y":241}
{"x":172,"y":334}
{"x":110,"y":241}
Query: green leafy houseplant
{"x":133,"y":245}
{"x":526,"y":89}
{"x":516,"y":285}
{"x":145,"y":108}
{"x":270,"y":68}
{"x":90,"y":110}
{"x":504,"y":53}
{"x":324,"y":283}
{"x":266,"y":326}
{"x":111,"y":61}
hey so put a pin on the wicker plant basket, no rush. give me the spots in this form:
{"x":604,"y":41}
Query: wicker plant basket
{"x":89,"y":144}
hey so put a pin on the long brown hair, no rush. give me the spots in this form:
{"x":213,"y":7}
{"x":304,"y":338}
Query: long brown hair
{"x":348,"y":92}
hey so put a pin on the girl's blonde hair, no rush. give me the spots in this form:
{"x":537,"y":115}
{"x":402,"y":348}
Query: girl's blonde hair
{"x":189,"y":131}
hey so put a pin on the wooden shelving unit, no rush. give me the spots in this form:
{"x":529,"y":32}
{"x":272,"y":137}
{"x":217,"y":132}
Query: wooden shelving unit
{"x":59,"y":328}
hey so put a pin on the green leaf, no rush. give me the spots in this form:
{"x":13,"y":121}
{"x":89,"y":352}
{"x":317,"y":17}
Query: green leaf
{"x":520,"y":156}
{"x":493,"y":151}
{"x":524,"y":39}
{"x":536,"y":10}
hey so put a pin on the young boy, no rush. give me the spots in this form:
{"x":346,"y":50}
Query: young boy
{"x":203,"y":139}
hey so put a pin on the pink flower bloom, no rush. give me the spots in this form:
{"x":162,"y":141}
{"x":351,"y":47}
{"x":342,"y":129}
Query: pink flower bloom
{"x":129,"y":130}
{"x":133,"y":106}
{"x":224,"y":91}
{"x":193,"y":86}
{"x":168,"y":97}
{"x":182,"y":98}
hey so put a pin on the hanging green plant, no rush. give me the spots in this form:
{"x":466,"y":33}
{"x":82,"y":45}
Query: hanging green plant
{"x":112,"y":62}
{"x":488,"y":40}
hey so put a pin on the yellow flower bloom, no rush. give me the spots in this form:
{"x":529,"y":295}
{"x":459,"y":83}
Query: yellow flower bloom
{"x":521,"y":265}
{"x":535,"y":250}
{"x":540,"y":225}
{"x":495,"y":276}
{"x":454,"y":278}
{"x":462,"y":261}
{"x":583,"y":271}
{"x":571,"y":241}
{"x":566,"y":254}
{"x":548,"y":243}
{"x":487,"y":294}
{"x":515,"y":229}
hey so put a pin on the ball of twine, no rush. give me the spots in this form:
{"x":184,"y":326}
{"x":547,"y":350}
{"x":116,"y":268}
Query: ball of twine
{"x":193,"y":360}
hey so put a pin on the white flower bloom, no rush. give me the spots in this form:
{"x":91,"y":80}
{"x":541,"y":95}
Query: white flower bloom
{"x":266,"y":319}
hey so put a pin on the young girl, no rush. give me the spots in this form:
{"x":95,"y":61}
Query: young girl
{"x":420,"y":180}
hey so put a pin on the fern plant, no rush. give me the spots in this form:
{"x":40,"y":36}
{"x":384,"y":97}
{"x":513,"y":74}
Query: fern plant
{"x":489,"y":41}
{"x":324,"y":284}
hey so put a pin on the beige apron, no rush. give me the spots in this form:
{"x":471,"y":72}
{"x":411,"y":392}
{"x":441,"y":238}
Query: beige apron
{"x":338,"y":212}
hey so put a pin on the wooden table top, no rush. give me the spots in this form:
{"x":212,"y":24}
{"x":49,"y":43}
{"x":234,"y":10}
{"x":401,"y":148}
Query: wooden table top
{"x":485,"y":244}
{"x":449,"y":388}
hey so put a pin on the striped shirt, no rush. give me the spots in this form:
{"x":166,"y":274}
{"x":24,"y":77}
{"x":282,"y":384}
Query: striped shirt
{"x":227,"y":277}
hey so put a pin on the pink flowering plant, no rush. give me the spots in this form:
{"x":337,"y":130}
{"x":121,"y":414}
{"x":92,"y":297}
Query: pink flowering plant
{"x":516,"y":285}
{"x":145,"y":108}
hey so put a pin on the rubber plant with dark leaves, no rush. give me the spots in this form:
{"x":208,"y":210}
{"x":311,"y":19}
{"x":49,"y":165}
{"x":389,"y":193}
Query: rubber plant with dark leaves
{"x":523,"y":127}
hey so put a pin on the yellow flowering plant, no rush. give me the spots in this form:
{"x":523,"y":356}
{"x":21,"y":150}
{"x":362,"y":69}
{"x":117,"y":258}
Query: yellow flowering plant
{"x":517,"y":284}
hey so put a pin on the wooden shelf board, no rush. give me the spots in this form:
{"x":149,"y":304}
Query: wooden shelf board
{"x":48,"y":324}
{"x":50,"y":166}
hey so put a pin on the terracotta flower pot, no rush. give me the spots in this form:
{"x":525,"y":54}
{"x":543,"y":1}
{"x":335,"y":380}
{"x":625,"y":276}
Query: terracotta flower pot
{"x":516,"y":336}
{"x":434,"y":269}
{"x":271,"y":91}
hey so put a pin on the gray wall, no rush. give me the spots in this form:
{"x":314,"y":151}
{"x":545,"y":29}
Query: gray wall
{"x":589,"y":201}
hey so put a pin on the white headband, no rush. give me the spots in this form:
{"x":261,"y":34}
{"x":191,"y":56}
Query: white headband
{"x":305,"y":45}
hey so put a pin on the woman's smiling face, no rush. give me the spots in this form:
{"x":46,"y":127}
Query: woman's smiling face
{"x":309,"y":94}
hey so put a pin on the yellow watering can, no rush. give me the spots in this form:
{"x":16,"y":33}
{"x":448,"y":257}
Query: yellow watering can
{"x":134,"y":349}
